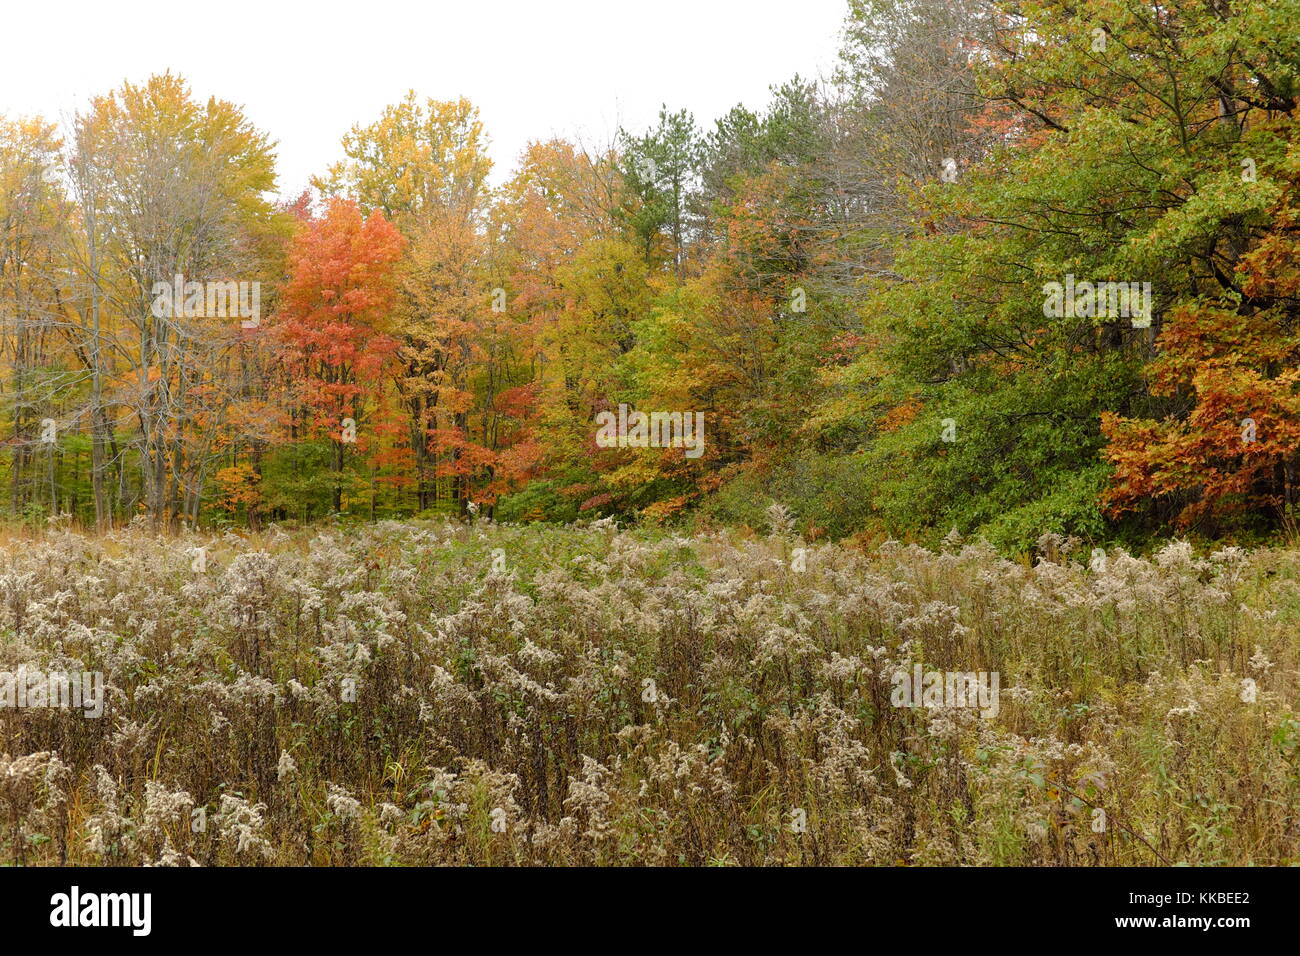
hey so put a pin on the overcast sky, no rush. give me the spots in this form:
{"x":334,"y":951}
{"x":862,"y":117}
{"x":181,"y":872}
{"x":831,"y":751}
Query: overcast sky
{"x":305,"y":72}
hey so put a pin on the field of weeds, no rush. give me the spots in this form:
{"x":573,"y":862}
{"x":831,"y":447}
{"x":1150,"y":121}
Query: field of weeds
{"x":416,"y":694}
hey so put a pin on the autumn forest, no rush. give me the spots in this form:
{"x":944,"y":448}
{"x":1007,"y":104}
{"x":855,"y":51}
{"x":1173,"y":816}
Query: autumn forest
{"x":846,"y":285}
{"x":902,"y":471}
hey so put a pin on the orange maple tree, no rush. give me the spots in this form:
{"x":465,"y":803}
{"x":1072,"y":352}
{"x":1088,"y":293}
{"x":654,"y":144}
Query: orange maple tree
{"x":333,"y":336}
{"x":1237,"y":368}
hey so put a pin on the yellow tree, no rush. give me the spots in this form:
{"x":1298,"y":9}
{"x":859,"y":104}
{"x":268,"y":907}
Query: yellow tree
{"x":416,"y":159}
{"x":170,"y":187}
{"x":32,"y":214}
{"x":579,"y":284}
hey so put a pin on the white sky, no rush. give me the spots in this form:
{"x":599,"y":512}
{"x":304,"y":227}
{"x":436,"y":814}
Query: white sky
{"x":305,"y":72}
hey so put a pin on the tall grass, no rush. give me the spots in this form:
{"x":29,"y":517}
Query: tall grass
{"x":392,"y":694}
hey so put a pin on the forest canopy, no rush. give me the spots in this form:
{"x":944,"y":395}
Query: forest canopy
{"x":1012,"y":269}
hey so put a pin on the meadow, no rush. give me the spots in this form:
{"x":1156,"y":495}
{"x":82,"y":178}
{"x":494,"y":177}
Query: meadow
{"x":465,"y":692}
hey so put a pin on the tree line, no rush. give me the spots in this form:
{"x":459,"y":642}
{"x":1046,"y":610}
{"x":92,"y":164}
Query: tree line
{"x":850,"y":284}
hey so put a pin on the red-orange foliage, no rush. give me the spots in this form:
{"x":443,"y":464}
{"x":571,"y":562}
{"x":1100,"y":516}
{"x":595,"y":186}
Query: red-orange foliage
{"x":1235,"y":449}
{"x":335,"y":308}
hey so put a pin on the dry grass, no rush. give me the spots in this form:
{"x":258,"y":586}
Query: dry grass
{"x":617,"y":698}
